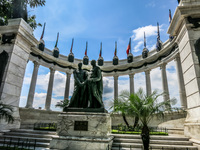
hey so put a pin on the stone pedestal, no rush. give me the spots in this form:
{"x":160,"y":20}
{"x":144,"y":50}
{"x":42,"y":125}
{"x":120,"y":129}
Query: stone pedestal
{"x":83,"y":130}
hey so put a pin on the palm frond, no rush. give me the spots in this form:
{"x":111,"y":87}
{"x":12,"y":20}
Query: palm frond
{"x":6,"y":112}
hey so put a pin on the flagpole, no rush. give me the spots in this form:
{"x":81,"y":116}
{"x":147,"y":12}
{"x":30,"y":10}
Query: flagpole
{"x":43,"y":31}
{"x":57,"y":39}
{"x":115,"y":48}
{"x":72,"y":45}
{"x":145,"y":40}
{"x":130,"y":45}
{"x":100,"y":49}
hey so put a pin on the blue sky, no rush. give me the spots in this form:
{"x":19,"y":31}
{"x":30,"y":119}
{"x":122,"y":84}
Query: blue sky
{"x":103,"y":21}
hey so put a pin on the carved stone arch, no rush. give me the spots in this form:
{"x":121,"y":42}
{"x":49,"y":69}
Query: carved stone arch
{"x":3,"y":62}
{"x":197,"y":49}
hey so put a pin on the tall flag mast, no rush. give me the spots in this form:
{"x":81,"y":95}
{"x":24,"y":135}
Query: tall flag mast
{"x":158,"y":44}
{"x":57,"y":39}
{"x":43,"y":31}
{"x":115,"y":49}
{"x":86,"y":49}
{"x":128,"y":50}
{"x":145,"y":44}
{"x":72,"y":45}
{"x":158,"y":31}
{"x":100,"y":50}
{"x":170,"y":16}
{"x":170,"y":20}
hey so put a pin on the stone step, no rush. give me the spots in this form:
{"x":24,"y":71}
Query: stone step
{"x":29,"y":135}
{"x":15,"y":142}
{"x":43,"y":140}
{"x":176,"y":131}
{"x":33,"y":131}
{"x":153,"y":137}
{"x":173,"y":142}
{"x":154,"y":146}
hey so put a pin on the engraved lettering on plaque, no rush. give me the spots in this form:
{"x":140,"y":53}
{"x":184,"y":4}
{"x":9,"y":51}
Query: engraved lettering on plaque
{"x":81,"y":125}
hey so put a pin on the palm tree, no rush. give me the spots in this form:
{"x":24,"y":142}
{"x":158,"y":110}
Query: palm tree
{"x":6,"y":112}
{"x":122,"y":105}
{"x":145,"y":107}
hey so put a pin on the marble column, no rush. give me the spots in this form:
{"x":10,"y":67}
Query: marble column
{"x":31,"y":93}
{"x":181,"y":83}
{"x":131,"y":79}
{"x":148,"y":82}
{"x":67,"y":86}
{"x":115,"y":87}
{"x":164,"y":82}
{"x":50,"y":89}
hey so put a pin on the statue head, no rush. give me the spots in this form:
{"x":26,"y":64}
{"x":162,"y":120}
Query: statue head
{"x":93,"y":62}
{"x":79,"y":66}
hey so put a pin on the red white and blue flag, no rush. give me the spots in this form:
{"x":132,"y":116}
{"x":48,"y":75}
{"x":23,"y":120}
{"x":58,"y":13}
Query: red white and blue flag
{"x":86,"y":49}
{"x":43,"y":31}
{"x":170,"y":16}
{"x":115,"y":53}
{"x":128,"y":47}
{"x":100,"y":50}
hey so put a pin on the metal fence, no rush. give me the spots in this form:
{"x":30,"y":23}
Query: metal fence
{"x":150,"y":148}
{"x":138,"y":128}
{"x":18,"y":144}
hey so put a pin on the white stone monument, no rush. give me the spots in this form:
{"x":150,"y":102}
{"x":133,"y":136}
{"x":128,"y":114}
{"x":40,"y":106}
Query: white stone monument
{"x":83,"y":130}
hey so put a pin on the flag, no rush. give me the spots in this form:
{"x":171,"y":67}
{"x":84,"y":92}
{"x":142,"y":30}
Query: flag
{"x":100,"y":50}
{"x":57,"y":39}
{"x":72,"y":45}
{"x":128,"y":47}
{"x":145,"y":40}
{"x":43,"y":31}
{"x":86,"y":49}
{"x":158,"y":36}
{"x":115,"y":49}
{"x":170,"y":16}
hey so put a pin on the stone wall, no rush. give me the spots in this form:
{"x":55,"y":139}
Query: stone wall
{"x":31,"y":116}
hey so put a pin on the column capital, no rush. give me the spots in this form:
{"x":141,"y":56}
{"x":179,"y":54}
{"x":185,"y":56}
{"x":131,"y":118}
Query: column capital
{"x":147,"y":71}
{"x":68,"y":74}
{"x":116,"y":76}
{"x":131,"y":75}
{"x":163,"y":66}
{"x":52,"y":70}
{"x":36,"y":64}
{"x":177,"y":58}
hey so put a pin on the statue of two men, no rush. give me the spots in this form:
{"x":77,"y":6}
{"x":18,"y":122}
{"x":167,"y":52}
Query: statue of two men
{"x":88,"y":88}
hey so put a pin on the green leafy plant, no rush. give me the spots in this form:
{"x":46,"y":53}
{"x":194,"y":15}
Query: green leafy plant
{"x":6,"y":112}
{"x":145,"y":107}
{"x":18,"y":9}
{"x":62,"y":104}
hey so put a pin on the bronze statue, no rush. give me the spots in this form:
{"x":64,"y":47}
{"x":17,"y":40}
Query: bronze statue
{"x":79,"y":98}
{"x":95,"y":87}
{"x":88,"y":90}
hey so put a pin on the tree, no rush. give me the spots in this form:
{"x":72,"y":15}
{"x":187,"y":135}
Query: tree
{"x":6,"y":112}
{"x":122,"y":105}
{"x":145,"y":107}
{"x":18,"y":9}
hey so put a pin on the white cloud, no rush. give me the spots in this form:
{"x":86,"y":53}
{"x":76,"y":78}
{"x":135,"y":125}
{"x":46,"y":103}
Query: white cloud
{"x":150,"y":30}
{"x":137,"y":48}
{"x":108,"y":82}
